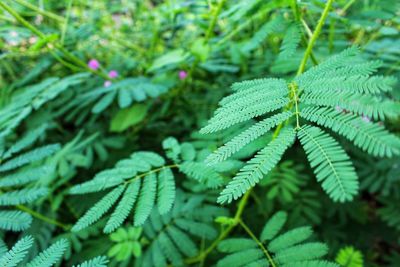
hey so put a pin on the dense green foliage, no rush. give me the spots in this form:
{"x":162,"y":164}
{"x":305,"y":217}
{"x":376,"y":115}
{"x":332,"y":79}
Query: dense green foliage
{"x":200,"y":133}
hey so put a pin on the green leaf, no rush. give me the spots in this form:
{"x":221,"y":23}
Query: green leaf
{"x":124,"y":207}
{"x":331,"y":164}
{"x":273,"y":226}
{"x":98,"y":210}
{"x":128,"y":117}
{"x":17,"y":253}
{"x":200,"y":49}
{"x":257,"y":167}
{"x":14,"y":220}
{"x":349,"y":257}
{"x":146,"y":199}
{"x":166,"y":190}
{"x":171,"y":58}
{"x":51,"y":255}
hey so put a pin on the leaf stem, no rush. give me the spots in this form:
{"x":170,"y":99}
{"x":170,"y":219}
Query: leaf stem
{"x":259,"y":243}
{"x":314,"y":37}
{"x":214,"y":20}
{"x":242,"y":204}
{"x":152,"y":171}
{"x":40,"y":11}
{"x":295,"y":97}
{"x":43,"y":218}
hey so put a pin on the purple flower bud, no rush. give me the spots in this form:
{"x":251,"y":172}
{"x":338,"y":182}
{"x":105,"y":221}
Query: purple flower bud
{"x":107,"y":83}
{"x":93,"y":64}
{"x":182,"y":74}
{"x":113,"y":74}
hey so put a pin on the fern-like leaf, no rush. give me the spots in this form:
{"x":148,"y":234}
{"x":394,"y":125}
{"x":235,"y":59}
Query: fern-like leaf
{"x":262,"y":33}
{"x":25,"y":141}
{"x":290,"y":238}
{"x":361,"y":104}
{"x":201,"y":172}
{"x":146,"y":199}
{"x":176,"y":235}
{"x":14,"y":220}
{"x":22,"y":196}
{"x":93,"y":214}
{"x":23,"y":177}
{"x":17,"y":253}
{"x":303,"y":252}
{"x":290,"y":42}
{"x":353,"y":84}
{"x":123,"y":208}
{"x":287,"y":249}
{"x":3,"y":248}
{"x":369,"y":136}
{"x":51,"y":255}
{"x":31,"y":156}
{"x":251,"y":99}
{"x":165,"y":191}
{"x":100,"y":261}
{"x":332,"y":166}
{"x":349,"y":257}
{"x":247,"y":136}
{"x":258,"y":166}
{"x":273,"y":226}
{"x":231,"y":116}
{"x":144,"y":187}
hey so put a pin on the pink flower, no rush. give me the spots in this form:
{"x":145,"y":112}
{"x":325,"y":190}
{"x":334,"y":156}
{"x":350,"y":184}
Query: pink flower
{"x":32,"y":39}
{"x":182,"y":74}
{"x":113,"y":74}
{"x":93,"y":64}
{"x":107,"y":83}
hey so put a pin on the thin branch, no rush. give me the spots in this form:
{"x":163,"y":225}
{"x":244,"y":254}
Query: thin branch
{"x":40,"y":11}
{"x":314,"y":37}
{"x":259,"y":243}
{"x":43,"y":218}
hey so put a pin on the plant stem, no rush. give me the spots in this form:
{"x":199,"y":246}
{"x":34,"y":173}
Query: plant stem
{"x":314,"y":37}
{"x":242,"y":204}
{"x":214,"y":20}
{"x":208,"y":35}
{"x":152,"y":171}
{"x":347,"y":6}
{"x":42,"y":217}
{"x":65,"y":25}
{"x":259,"y":243}
{"x":295,"y":97}
{"x":299,"y":18}
{"x":22,"y":20}
{"x":40,"y":11}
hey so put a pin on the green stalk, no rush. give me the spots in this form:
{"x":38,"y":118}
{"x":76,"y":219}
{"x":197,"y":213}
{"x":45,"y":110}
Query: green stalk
{"x":259,"y":243}
{"x":43,"y":218}
{"x":65,"y":25}
{"x":40,"y":11}
{"x":314,"y":37}
{"x":211,"y":27}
